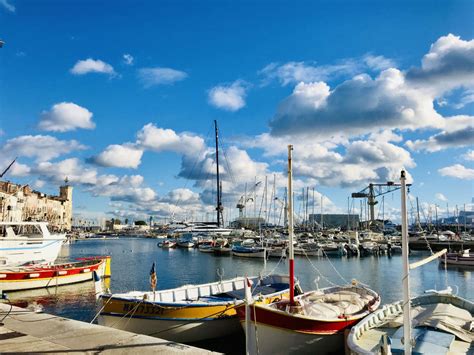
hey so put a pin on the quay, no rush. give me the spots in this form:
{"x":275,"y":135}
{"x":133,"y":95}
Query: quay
{"x":437,"y":245}
{"x":23,"y":330}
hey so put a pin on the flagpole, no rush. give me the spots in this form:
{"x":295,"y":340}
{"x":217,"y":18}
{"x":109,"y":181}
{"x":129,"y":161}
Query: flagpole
{"x":290,"y":227}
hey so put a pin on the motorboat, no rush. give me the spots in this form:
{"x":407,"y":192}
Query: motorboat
{"x":464,"y":258}
{"x":188,"y":313}
{"x":28,"y":242}
{"x":248,"y":252}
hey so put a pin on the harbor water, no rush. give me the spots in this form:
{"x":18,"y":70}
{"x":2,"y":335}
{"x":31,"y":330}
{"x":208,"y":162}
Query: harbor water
{"x":132,"y":259}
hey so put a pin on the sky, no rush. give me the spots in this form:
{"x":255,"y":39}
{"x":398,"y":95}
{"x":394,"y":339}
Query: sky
{"x":120,"y":97}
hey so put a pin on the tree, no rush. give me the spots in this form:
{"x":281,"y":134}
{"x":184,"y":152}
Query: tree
{"x":140,"y":223}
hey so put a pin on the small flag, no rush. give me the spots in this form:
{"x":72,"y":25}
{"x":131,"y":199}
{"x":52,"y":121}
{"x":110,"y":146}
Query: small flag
{"x":153,"y":277}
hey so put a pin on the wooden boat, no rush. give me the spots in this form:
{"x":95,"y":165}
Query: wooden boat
{"x":434,"y":323}
{"x":248,"y":252}
{"x":221,"y":247}
{"x":206,"y":247}
{"x":188,"y":313}
{"x":442,"y":325}
{"x":313,"y":322}
{"x":39,"y":276}
{"x":465,"y":258}
{"x":168,"y":244}
{"x":27,"y":242}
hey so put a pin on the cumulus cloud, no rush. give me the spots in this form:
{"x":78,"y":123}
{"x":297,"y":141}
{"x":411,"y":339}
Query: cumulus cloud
{"x":357,"y":106}
{"x":158,"y":139}
{"x":160,"y":76}
{"x":40,"y":147}
{"x":92,"y":66}
{"x":71,"y":168}
{"x":228,"y":97}
{"x":127,"y":188}
{"x":181,"y":196}
{"x":441,"y":197}
{"x":448,"y":64}
{"x":459,"y":132}
{"x":457,"y":171}
{"x":119,"y":156}
{"x":9,"y":7}
{"x":295,"y":72}
{"x":128,"y":59}
{"x":66,"y":116}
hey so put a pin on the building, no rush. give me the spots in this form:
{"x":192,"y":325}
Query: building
{"x":335,"y":220}
{"x":248,"y":222}
{"x":21,"y":203}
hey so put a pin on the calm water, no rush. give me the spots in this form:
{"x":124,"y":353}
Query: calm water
{"x":132,"y":259}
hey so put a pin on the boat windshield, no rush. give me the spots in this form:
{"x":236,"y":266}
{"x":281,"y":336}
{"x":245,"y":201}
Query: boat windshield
{"x":15,"y":230}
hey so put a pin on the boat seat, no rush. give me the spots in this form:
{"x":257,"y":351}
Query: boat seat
{"x":427,"y":341}
{"x":263,"y":290}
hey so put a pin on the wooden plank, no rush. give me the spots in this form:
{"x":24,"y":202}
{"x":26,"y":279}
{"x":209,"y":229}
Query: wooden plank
{"x":428,"y":259}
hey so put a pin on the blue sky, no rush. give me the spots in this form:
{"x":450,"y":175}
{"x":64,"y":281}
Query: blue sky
{"x":121,"y":98}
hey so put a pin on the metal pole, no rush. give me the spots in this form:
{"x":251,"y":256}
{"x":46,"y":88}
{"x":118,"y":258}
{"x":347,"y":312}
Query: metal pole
{"x":219,"y":204}
{"x":290,"y":227}
{"x":406,"y":270}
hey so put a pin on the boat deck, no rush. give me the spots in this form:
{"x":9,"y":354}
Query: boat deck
{"x":27,"y":331}
{"x":373,"y":338}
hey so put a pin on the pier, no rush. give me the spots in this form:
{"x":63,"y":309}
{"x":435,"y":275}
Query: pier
{"x":23,"y":330}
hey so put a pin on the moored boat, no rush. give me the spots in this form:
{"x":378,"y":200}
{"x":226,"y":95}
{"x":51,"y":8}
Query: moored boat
{"x":248,"y":252}
{"x":465,"y":258}
{"x":188,"y":313}
{"x":168,"y":244}
{"x":28,"y":242}
{"x":39,"y":276}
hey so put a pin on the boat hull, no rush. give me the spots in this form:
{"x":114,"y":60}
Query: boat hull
{"x":19,"y":251}
{"x":37,"y":277}
{"x":179,"y":330}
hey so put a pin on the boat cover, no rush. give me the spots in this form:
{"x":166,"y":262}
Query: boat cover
{"x":443,"y":316}
{"x":333,"y":305}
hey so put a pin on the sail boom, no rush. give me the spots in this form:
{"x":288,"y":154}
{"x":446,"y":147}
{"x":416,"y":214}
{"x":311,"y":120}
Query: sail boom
{"x":428,"y":259}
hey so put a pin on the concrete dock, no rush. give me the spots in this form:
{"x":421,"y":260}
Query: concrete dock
{"x":26,"y":331}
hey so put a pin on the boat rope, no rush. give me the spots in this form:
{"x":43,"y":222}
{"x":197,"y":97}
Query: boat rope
{"x":134,"y":309}
{"x":276,"y":267}
{"x":335,"y":269}
{"x":101,"y":309}
{"x":318,"y":271}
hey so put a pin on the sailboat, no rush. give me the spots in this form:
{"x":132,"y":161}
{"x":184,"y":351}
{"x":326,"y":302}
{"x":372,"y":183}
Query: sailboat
{"x":436,"y":322}
{"x":189,"y":313}
{"x":312,"y":322}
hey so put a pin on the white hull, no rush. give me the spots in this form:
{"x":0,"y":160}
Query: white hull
{"x":181,"y":331}
{"x":19,"y":251}
{"x":272,"y":340}
{"x":260,"y":254}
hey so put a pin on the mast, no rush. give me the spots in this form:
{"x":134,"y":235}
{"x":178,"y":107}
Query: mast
{"x":406,"y":269}
{"x":219,"y":207}
{"x":290,"y":227}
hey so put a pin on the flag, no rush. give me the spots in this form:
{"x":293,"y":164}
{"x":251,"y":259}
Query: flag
{"x":153,"y":277}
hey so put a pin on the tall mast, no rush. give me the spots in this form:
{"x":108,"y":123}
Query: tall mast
{"x":406,"y":270}
{"x":219,"y":207}
{"x":290,"y":227}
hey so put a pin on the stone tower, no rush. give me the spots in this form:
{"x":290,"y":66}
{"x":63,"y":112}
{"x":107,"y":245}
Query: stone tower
{"x":65,"y":194}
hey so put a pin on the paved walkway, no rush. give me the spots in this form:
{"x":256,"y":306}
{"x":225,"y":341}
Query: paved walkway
{"x":25,"y":331}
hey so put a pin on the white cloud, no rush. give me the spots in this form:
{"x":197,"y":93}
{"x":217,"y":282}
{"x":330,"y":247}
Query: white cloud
{"x":71,"y":168}
{"x":228,"y":97}
{"x":457,"y":171}
{"x":40,"y":147}
{"x":92,"y":66}
{"x":459,"y":132}
{"x":469,"y":155}
{"x":158,"y":139}
{"x":7,"y":5}
{"x":378,"y":62}
{"x":128,"y":59}
{"x":66,"y":116}
{"x":160,"y":76}
{"x":357,"y":106}
{"x":441,"y":197}
{"x":119,"y":156}
{"x":448,"y":64}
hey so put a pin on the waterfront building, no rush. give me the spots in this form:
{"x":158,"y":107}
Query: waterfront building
{"x":335,"y":220}
{"x":21,"y":203}
{"x":248,"y":222}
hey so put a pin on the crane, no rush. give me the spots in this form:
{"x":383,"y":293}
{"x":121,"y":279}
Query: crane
{"x":374,"y":190}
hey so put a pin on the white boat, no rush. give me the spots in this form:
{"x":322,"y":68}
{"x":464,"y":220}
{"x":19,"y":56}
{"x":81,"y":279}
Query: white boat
{"x":442,"y":325}
{"x":188,"y":313}
{"x":248,"y":252}
{"x":28,"y":243}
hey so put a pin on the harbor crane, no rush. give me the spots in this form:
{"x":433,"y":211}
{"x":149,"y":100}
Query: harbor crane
{"x":242,"y":204}
{"x":375,"y":190}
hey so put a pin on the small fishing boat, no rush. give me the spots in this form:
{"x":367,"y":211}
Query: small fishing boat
{"x":28,"y":242}
{"x":39,"y":276}
{"x":248,"y":252}
{"x":168,"y":244}
{"x":442,"y":325}
{"x":186,"y":241}
{"x":189,"y":313}
{"x":465,"y":258}
{"x":206,"y":247}
{"x":276,"y":252}
{"x":333,"y":249}
{"x":221,"y":247}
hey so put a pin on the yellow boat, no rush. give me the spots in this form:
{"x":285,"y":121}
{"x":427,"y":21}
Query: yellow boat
{"x":188,"y":313}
